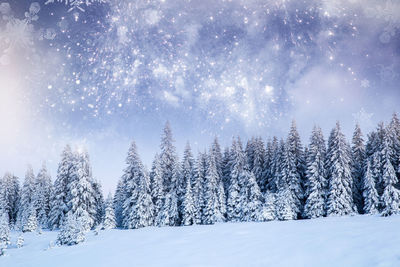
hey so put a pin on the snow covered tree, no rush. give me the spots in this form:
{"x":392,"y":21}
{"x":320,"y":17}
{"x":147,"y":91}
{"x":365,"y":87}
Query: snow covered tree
{"x":393,"y":131}
{"x":4,"y":228}
{"x":81,"y":201}
{"x":226,"y":170}
{"x":198,"y":186}
{"x":315,"y":176}
{"x":211,"y":208}
{"x":250,"y":197}
{"x":98,"y":202}
{"x":72,"y":231}
{"x":284,"y":205}
{"x":293,"y":166}
{"x":109,"y":216}
{"x":257,"y":167}
{"x":340,"y":194}
{"x":156,"y":185}
{"x":390,"y":199}
{"x":59,"y":206}
{"x":189,"y":208}
{"x":238,"y":162}
{"x":187,"y":174}
{"x":143,"y":209}
{"x":169,"y":215}
{"x":275,"y":175}
{"x":118,"y":203}
{"x":216,"y":151}
{"x":27,"y":197}
{"x":43,"y":188}
{"x":30,"y":223}
{"x":133,"y":183}
{"x":10,"y":192}
{"x":20,"y":241}
{"x":371,"y":198}
{"x":358,"y":165}
{"x":269,"y":207}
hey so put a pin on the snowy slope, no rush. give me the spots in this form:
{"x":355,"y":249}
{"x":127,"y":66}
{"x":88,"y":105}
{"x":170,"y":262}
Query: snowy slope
{"x":341,"y":241}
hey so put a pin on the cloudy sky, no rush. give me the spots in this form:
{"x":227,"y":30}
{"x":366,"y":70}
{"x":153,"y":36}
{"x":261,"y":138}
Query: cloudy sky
{"x":99,"y":75}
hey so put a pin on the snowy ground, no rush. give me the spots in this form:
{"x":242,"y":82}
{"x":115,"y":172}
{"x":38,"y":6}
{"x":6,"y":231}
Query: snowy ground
{"x":345,"y":241}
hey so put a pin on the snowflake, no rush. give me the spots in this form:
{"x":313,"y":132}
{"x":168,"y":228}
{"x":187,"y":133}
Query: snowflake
{"x":364,"y":118}
{"x":365,"y":83}
{"x":75,"y":4}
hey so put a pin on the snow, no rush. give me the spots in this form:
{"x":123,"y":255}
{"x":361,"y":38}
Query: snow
{"x":336,"y":241}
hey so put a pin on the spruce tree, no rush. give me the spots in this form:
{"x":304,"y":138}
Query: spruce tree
{"x":258,"y":162}
{"x":156,"y":185}
{"x":143,"y":210}
{"x":10,"y":191}
{"x":81,"y":201}
{"x":250,"y":197}
{"x":133,"y":175}
{"x":198,"y":186}
{"x":4,"y":228}
{"x":187,"y":174}
{"x":293,"y":165}
{"x":269,"y":207}
{"x":98,"y":202}
{"x":72,"y":231}
{"x":211,"y":211}
{"x":358,"y":167}
{"x":238,"y":162}
{"x":109,"y":215}
{"x":284,"y":205}
{"x":189,"y":208}
{"x":390,"y":199}
{"x":118,"y":203}
{"x":340,"y":194}
{"x":30,"y":223}
{"x":370,"y":195}
{"x":59,"y":201}
{"x":27,"y":197}
{"x":43,"y":189}
{"x":315,"y":176}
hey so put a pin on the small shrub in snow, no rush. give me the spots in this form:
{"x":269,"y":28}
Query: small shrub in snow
{"x":72,"y":232}
{"x":20,"y":241}
{"x":4,"y":229}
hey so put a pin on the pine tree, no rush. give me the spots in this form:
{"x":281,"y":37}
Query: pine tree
{"x":109,"y":215}
{"x":156,"y":185}
{"x":72,"y":231}
{"x":284,"y":206}
{"x":59,"y":206}
{"x":143,"y":209}
{"x":390,"y":199}
{"x":170,"y":176}
{"x":81,"y":202}
{"x":133,"y":175}
{"x":43,"y":190}
{"x":267,"y":171}
{"x":189,"y":208}
{"x":340,"y":194}
{"x":371,"y":198}
{"x":211,"y":212}
{"x":118,"y":203}
{"x":27,"y":197}
{"x":393,"y":130}
{"x":293,"y":168}
{"x":20,"y":241}
{"x":226,"y":170}
{"x":98,"y":202}
{"x":4,"y":228}
{"x":358,"y":165}
{"x":187,"y":174}
{"x":275,"y":181}
{"x":238,"y":161}
{"x":269,"y":209}
{"x":250,"y":197}
{"x":315,"y":176}
{"x":10,"y":192}
{"x":258,"y":163}
{"x":31,"y":223}
{"x":198,"y":186}
{"x":216,"y":151}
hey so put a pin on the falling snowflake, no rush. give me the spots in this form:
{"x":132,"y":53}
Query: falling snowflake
{"x":364,"y":118}
{"x":365,"y":83}
{"x":75,"y":4}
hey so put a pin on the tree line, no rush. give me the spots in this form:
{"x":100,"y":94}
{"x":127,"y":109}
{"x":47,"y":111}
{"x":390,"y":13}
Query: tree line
{"x":277,"y":180}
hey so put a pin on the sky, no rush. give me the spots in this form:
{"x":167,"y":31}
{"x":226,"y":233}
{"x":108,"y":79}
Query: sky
{"x":99,"y":74}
